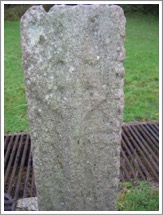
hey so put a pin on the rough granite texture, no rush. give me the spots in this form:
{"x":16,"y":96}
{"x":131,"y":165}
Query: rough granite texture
{"x":73,"y":61}
{"x":27,"y":204}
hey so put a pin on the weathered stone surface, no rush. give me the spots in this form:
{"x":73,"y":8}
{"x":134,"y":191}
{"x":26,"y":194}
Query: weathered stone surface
{"x":27,"y":204}
{"x":73,"y":62}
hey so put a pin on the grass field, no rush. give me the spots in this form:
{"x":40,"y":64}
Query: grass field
{"x":142,"y":69}
{"x":15,"y":107}
{"x":137,"y":196}
{"x":141,"y":78}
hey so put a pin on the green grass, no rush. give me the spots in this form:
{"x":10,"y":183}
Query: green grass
{"x":139,"y":196}
{"x":15,"y":104}
{"x":142,"y":69}
{"x":141,"y":78}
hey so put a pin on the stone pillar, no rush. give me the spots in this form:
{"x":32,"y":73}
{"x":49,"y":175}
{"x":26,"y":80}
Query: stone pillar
{"x":73,"y":62}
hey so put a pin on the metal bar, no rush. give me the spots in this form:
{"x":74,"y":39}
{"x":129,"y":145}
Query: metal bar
{"x":142,"y":153}
{"x":29,"y":166}
{"x":128,"y":163}
{"x":154,"y":128}
{"x":8,"y":150}
{"x":149,"y":138}
{"x":136,"y":155}
{"x":131,"y":156}
{"x":21,"y":169}
{"x":131,"y":144}
{"x":6,"y":141}
{"x":150,"y":130}
{"x":18,"y":154}
{"x":11,"y":159}
{"x":146,"y":147}
{"x":125,"y":171}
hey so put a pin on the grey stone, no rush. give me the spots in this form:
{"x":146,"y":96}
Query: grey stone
{"x":27,"y":204}
{"x":73,"y":62}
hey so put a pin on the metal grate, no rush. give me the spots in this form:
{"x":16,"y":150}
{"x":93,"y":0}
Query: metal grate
{"x":19,"y":177}
{"x":139,"y":160}
{"x":140,"y":152}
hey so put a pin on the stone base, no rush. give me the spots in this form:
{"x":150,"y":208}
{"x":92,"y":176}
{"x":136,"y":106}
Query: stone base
{"x":27,"y":204}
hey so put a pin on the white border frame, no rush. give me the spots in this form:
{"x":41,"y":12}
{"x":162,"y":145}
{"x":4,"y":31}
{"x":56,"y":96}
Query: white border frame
{"x":160,"y":106}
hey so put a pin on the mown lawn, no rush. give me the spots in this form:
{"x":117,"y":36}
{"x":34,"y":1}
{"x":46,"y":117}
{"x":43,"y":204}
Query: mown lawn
{"x":141,"y":78}
{"x":142,"y":69}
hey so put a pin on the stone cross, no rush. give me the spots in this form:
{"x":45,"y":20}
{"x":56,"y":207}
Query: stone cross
{"x":73,"y":62}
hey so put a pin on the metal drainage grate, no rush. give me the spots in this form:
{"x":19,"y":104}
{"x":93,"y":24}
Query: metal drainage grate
{"x":140,"y":152}
{"x":139,"y":160}
{"x":19,"y":176}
